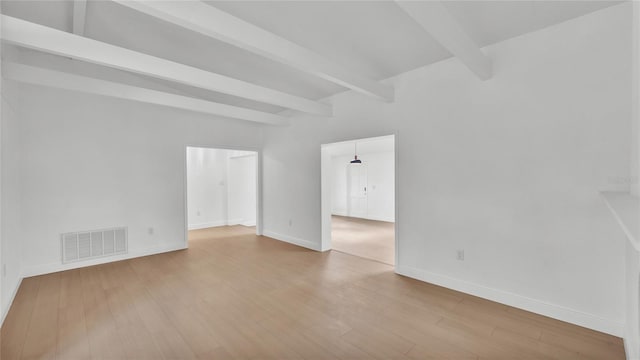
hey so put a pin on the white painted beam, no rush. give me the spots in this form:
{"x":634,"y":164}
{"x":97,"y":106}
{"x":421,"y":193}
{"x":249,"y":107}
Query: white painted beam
{"x":208,"y":20}
{"x":56,"y":79}
{"x":436,"y":20}
{"x":38,"y":37}
{"x":79,"y":16}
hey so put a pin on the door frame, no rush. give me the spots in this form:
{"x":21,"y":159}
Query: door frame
{"x":258,"y":152}
{"x":325,"y":193}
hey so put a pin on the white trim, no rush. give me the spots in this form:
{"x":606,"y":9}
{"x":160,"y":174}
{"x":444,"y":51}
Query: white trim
{"x":209,"y":224}
{"x":396,"y":197}
{"x":236,"y":221}
{"x":325,"y":192}
{"x":42,"y":38}
{"x":539,"y":307}
{"x":60,"y":80}
{"x":631,"y":346}
{"x":185,"y":202}
{"x":79,"y":16}
{"x":341,"y":212}
{"x":217,"y":24}
{"x":258,"y":153}
{"x":259,"y":218}
{"x":242,"y":156}
{"x":626,"y":210}
{"x":55,"y":267}
{"x":368,"y":217}
{"x":438,"y":22}
{"x":5,"y":311}
{"x":293,"y":240}
{"x":359,"y":140}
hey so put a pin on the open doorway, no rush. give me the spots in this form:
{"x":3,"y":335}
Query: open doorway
{"x":359,"y":198}
{"x":222,"y":191}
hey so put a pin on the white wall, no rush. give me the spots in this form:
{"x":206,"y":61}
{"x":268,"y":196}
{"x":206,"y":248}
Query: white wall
{"x":339,"y":184}
{"x":508,"y":169}
{"x":221,"y":187}
{"x":242,"y":190}
{"x":632,"y":261}
{"x":632,"y":298}
{"x":90,"y":162}
{"x":380,"y":185}
{"x":10,"y":219}
{"x":206,"y":187}
{"x":635,"y":96}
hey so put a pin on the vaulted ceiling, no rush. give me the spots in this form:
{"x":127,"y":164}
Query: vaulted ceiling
{"x":371,"y":40}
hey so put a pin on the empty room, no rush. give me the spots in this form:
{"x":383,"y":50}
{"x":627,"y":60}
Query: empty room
{"x":319,"y":179}
{"x":361,"y":184}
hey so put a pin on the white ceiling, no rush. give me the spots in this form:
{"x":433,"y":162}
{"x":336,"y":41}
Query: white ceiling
{"x":375,"y":38}
{"x":364,"y":146}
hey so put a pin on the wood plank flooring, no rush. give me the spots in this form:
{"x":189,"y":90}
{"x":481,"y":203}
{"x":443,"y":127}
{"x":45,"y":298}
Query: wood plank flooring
{"x":370,"y":239}
{"x":235,"y":295}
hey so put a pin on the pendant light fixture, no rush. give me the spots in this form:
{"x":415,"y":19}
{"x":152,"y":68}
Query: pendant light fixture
{"x":355,"y":155}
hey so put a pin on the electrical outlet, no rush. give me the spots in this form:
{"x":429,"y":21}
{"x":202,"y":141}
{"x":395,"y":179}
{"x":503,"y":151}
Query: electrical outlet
{"x":461,"y":255}
{"x":150,"y":231}
{"x":290,"y":222}
{"x":198,"y":212}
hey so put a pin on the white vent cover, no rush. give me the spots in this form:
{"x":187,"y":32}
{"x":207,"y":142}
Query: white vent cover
{"x":77,"y":246}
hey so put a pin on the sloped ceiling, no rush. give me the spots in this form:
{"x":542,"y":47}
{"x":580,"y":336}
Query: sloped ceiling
{"x":375,"y":38}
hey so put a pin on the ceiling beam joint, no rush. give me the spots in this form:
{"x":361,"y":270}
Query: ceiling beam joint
{"x":79,"y":16}
{"x":61,"y":80}
{"x":438,"y":22}
{"x":205,"y":19}
{"x":42,"y":38}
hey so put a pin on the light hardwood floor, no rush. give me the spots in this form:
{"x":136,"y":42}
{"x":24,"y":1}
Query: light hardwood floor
{"x":370,"y":239}
{"x":236,"y":295}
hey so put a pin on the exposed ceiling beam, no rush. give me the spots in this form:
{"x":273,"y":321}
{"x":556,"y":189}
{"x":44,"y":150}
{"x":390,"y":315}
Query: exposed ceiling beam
{"x":436,"y":20}
{"x":208,"y":20}
{"x":42,"y":38}
{"x":79,"y":16}
{"x":61,"y":80}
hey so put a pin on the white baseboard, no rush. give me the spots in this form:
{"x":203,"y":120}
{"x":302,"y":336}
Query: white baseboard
{"x":14,"y":292}
{"x":539,"y":307}
{"x":55,"y":267}
{"x":207,"y":225}
{"x":292,"y":240}
{"x":237,"y":221}
{"x":379,"y":218}
{"x":211,"y":224}
{"x":631,"y":346}
{"x":339,"y":213}
{"x":368,"y":217}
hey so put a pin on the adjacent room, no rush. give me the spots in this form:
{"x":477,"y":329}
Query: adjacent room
{"x":319,"y":179}
{"x":221,"y":190}
{"x":362,"y":190}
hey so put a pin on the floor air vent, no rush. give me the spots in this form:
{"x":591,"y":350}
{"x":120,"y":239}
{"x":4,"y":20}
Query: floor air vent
{"x":78,"y":246}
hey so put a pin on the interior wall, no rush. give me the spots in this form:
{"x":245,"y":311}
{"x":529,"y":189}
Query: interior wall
{"x":380,"y":185}
{"x":632,"y":261}
{"x":509,"y":170}
{"x":206,"y":187}
{"x":91,"y":162}
{"x":10,"y":215}
{"x":221,"y":187}
{"x":634,"y":179}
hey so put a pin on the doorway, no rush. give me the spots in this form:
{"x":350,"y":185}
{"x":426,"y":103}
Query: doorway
{"x":221,"y":191}
{"x":358,"y":196}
